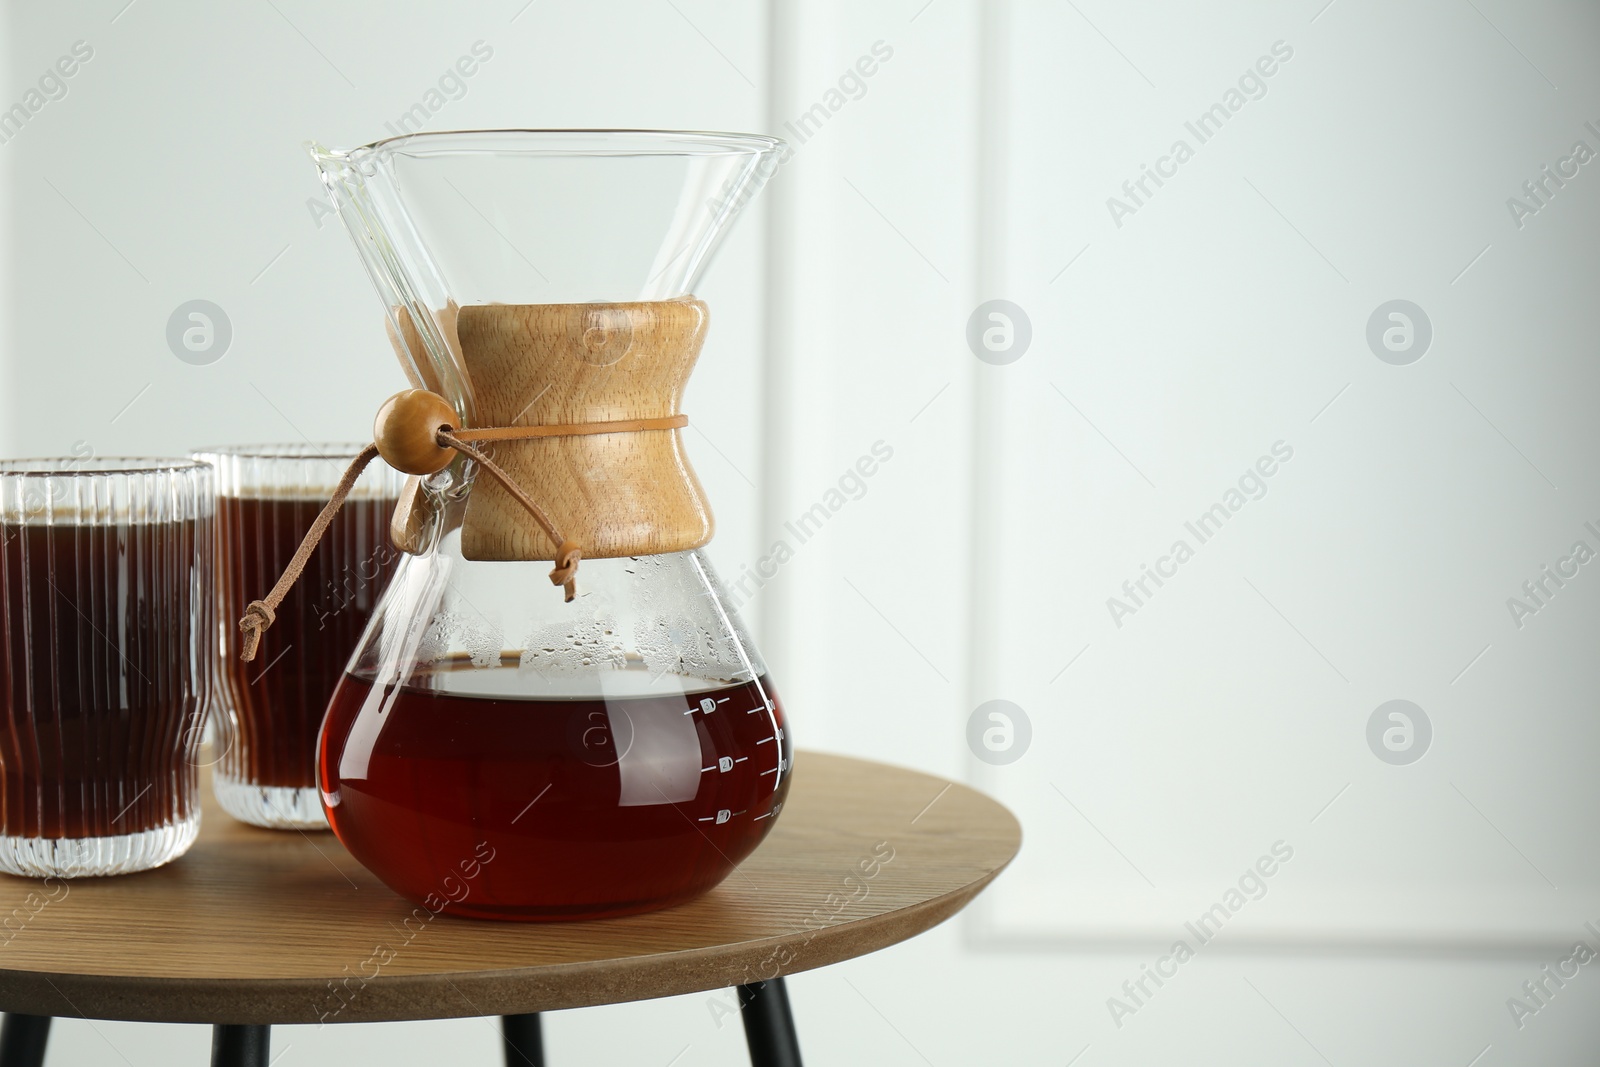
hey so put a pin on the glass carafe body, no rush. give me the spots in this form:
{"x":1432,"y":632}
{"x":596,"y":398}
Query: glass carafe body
{"x":495,"y":751}
{"x":498,"y":753}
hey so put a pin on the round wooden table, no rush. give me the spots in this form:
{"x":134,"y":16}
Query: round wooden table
{"x":254,"y":927}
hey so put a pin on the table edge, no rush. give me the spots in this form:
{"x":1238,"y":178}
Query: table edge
{"x":507,"y":991}
{"x":502,"y":991}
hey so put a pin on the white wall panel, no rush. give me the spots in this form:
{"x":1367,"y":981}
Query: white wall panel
{"x":1222,"y":316}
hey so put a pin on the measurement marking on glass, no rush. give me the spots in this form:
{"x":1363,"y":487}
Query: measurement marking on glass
{"x":531,"y":803}
{"x":706,"y":706}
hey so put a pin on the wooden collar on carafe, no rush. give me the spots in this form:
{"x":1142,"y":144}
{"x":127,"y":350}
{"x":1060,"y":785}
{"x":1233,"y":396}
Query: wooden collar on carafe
{"x":415,"y":434}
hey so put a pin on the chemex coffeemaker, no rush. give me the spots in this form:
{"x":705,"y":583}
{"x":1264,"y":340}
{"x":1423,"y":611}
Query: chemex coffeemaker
{"x":555,"y":712}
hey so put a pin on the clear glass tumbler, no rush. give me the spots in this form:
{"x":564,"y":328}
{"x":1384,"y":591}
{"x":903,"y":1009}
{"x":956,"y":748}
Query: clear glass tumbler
{"x":268,"y":711}
{"x":105,"y":586}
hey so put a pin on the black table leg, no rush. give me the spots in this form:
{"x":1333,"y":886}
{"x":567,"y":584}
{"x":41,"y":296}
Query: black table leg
{"x":524,"y":1039}
{"x":241,"y":1046}
{"x":768,"y":1024}
{"x":22,"y":1040}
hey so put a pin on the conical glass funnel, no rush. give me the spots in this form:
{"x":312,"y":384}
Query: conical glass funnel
{"x":536,"y":217}
{"x":494,"y":750}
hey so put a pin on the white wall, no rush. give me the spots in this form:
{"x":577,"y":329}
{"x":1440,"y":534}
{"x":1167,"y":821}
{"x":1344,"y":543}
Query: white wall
{"x":1226,"y":313}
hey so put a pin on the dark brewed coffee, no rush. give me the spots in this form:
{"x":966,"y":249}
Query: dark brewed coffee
{"x":279,"y":698}
{"x":96,"y":668}
{"x":541,"y":809}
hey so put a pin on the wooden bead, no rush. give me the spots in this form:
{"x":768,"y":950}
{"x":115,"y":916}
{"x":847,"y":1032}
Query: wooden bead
{"x":406,"y":428}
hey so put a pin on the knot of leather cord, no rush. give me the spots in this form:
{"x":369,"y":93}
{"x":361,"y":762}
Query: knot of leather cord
{"x":257,"y":617}
{"x":566,"y":568}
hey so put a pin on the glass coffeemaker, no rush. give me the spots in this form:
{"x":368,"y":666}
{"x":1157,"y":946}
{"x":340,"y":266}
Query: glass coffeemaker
{"x":502,"y":747}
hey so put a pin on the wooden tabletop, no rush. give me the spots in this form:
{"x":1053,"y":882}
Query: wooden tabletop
{"x":271,"y":926}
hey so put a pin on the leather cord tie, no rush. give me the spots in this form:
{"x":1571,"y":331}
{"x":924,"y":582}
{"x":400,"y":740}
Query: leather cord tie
{"x":415,"y":435}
